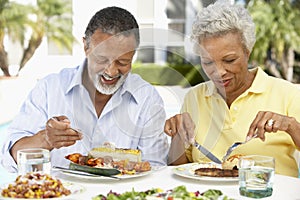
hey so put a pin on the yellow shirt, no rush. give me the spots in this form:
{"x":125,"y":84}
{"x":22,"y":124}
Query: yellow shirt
{"x":218,"y":126}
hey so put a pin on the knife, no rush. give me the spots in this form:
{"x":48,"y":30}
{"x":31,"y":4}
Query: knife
{"x":72,"y":171}
{"x":207,"y":153}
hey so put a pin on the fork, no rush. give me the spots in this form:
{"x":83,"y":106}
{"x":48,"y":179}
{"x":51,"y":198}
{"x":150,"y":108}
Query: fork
{"x":83,"y":135}
{"x":77,"y":130}
{"x":234,"y":146}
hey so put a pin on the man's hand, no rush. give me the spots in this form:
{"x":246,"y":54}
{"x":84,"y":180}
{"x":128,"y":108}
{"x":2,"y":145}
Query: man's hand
{"x":59,"y":132}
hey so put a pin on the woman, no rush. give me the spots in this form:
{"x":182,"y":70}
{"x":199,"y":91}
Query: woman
{"x":237,"y":103}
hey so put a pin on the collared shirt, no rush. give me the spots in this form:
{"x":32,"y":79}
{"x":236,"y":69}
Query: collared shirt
{"x":132,"y":119}
{"x":218,"y":126}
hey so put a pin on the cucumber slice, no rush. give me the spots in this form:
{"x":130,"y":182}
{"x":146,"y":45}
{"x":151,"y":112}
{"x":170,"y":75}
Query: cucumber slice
{"x":94,"y":170}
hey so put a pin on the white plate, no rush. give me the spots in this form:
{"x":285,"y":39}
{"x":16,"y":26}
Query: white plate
{"x":75,"y":191}
{"x":82,"y":176}
{"x":125,"y":176}
{"x":188,"y":171}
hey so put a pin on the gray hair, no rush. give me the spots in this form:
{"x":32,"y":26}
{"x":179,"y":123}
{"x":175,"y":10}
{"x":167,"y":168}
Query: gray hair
{"x":221,"y":18}
{"x":113,"y":20}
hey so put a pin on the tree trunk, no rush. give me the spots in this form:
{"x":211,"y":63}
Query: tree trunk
{"x":3,"y":56}
{"x":271,"y":64}
{"x":33,"y":44}
{"x":291,"y":62}
{"x":287,"y":63}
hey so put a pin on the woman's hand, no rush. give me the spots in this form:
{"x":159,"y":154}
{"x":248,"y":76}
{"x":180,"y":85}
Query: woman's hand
{"x":59,"y":132}
{"x":181,"y":128}
{"x":266,"y":121}
{"x":183,"y":125}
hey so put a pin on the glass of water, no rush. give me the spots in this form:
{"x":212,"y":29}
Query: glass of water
{"x":256,"y":176}
{"x":33,"y":160}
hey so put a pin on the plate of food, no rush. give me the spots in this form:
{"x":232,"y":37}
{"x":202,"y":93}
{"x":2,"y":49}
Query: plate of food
{"x":108,"y":163}
{"x":35,"y":186}
{"x":227,"y":171}
{"x":86,"y":176}
{"x":179,"y":192}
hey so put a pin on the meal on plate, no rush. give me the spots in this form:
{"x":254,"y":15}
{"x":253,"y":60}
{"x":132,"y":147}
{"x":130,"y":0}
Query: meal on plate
{"x":229,"y":168}
{"x":232,"y":162}
{"x":35,"y":186}
{"x":134,"y":155}
{"x":179,"y":193}
{"x":217,"y":172}
{"x":127,"y":161}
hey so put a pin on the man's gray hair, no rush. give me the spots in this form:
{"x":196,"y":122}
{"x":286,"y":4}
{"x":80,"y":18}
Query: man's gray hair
{"x":221,"y":18}
{"x":113,"y":20}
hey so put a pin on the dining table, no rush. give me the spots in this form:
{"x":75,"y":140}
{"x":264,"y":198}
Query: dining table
{"x":169,"y":177}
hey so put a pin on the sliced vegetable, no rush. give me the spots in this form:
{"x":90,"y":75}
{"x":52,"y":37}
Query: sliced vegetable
{"x":94,"y":170}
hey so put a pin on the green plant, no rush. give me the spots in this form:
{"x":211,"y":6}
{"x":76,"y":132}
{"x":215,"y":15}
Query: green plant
{"x":180,"y":74}
{"x":277,"y":34}
{"x":28,"y":25}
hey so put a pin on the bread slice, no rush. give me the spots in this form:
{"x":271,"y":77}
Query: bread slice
{"x":117,"y":154}
{"x":231,"y":162}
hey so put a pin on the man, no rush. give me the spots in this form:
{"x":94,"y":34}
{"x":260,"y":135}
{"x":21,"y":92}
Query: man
{"x":97,"y":102}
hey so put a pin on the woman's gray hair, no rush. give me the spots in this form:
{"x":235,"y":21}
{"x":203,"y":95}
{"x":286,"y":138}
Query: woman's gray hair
{"x":221,"y":18}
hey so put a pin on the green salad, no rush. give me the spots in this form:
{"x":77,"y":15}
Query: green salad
{"x":177,"y":193}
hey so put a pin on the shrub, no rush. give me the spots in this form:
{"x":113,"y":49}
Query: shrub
{"x":183,"y":74}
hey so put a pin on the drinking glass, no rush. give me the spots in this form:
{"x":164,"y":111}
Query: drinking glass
{"x":256,"y":176}
{"x":33,"y":160}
